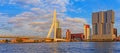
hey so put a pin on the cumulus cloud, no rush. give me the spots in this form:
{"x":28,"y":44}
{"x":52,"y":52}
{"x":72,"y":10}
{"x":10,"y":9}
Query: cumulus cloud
{"x":37,"y":21}
{"x":77,"y":20}
{"x":74,"y":24}
{"x":44,"y":4}
{"x":41,"y":24}
{"x":117,"y":20}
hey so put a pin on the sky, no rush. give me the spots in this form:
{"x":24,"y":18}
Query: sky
{"x":34,"y":17}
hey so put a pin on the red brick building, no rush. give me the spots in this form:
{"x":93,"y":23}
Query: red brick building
{"x":77,"y":35}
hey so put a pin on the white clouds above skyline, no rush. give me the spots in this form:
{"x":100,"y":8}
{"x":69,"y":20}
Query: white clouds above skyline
{"x":37,"y":21}
{"x":35,"y":17}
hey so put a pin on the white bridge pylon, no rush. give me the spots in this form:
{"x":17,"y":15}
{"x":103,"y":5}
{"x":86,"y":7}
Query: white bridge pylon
{"x":53,"y":25}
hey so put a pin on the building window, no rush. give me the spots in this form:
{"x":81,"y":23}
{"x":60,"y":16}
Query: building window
{"x":98,"y":17}
{"x":109,"y":25}
{"x":105,"y":17}
{"x":104,"y":29}
{"x":96,"y":29}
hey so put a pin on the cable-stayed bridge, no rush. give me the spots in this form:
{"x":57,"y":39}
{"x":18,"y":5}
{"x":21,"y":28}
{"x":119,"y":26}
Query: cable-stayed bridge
{"x":52,"y":28}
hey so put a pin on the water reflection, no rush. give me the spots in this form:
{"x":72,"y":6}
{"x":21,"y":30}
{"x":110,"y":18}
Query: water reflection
{"x":62,"y":47}
{"x":82,"y":47}
{"x":53,"y":47}
{"x":103,"y":47}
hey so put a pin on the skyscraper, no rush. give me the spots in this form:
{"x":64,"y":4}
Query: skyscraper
{"x":58,"y":33}
{"x":57,"y":24}
{"x":103,"y":24}
{"x":68,"y":35}
{"x":87,"y":31}
{"x":115,"y":32}
{"x":58,"y":30}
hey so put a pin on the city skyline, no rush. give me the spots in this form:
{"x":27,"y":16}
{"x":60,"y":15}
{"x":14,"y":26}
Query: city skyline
{"x":34,"y":17}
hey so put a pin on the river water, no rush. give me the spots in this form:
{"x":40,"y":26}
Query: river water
{"x":62,"y":47}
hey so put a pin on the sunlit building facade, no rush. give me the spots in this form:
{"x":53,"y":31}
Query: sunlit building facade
{"x":68,"y":35}
{"x":103,"y":25}
{"x":86,"y":31}
{"x":58,"y":30}
{"x":58,"y":33}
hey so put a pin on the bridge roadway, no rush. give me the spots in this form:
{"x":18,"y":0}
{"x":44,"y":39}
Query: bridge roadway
{"x":6,"y":36}
{"x":59,"y":39}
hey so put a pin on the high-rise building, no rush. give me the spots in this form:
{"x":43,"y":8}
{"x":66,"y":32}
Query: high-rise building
{"x":68,"y":35}
{"x":115,"y":32}
{"x":58,"y":30}
{"x":58,"y":33}
{"x":57,"y":24}
{"x":103,"y":24}
{"x":86,"y":31}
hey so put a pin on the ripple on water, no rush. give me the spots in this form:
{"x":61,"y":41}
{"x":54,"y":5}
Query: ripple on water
{"x":62,"y":47}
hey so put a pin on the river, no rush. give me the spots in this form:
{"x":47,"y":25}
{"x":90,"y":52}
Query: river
{"x":62,"y":47}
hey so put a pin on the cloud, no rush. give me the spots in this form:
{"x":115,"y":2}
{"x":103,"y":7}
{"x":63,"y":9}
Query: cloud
{"x":41,"y":24}
{"x":74,"y":24}
{"x":76,"y":20}
{"x":117,"y":13}
{"x":44,"y":4}
{"x":33,"y":2}
{"x":117,"y":20}
{"x":2,"y":2}
{"x":80,"y":0}
{"x":37,"y":21}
